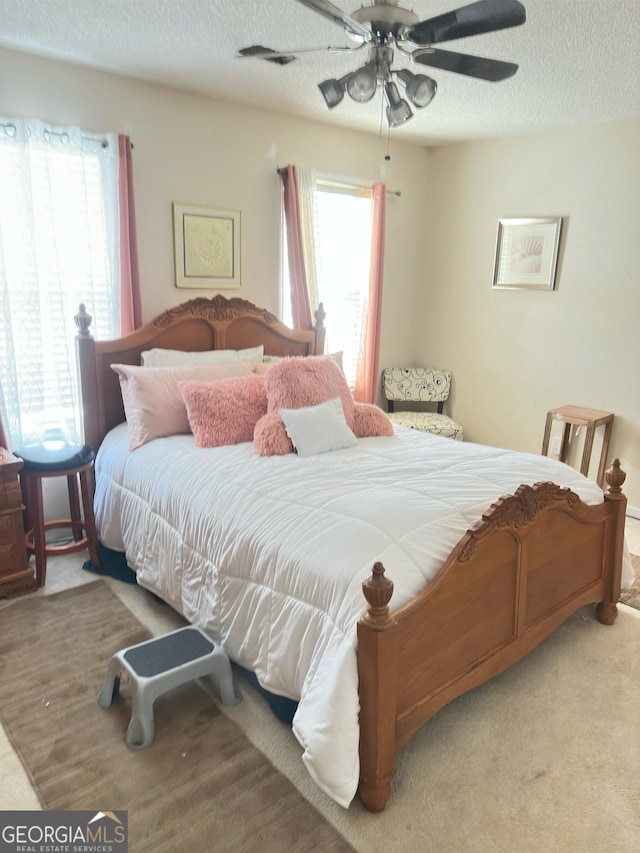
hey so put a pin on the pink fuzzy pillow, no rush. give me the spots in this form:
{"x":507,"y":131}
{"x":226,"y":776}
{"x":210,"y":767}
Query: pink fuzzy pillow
{"x":370,"y":420}
{"x":299,"y":382}
{"x":224,"y":412}
{"x":270,"y":437}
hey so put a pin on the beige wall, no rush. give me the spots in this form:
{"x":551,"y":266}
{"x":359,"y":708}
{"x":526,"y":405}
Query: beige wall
{"x":199,"y":151}
{"x":517,"y":353}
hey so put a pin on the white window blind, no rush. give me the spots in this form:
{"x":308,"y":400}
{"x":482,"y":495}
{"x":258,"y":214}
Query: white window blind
{"x":342,"y":238}
{"x":58,"y":247}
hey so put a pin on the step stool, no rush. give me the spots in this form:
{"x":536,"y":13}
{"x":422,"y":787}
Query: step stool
{"x":161,"y":664}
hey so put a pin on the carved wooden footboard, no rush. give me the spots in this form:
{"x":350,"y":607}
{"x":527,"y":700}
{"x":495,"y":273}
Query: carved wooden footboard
{"x":534,"y":559}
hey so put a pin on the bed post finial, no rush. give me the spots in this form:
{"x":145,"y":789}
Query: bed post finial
{"x":378,"y":590}
{"x":83,"y":321}
{"x":615,"y":478}
{"x":319,"y":330}
{"x":320,"y":315}
{"x":607,"y":610}
{"x":378,"y":667}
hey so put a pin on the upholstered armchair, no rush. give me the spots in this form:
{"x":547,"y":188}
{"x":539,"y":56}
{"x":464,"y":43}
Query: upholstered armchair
{"x":415,"y":387}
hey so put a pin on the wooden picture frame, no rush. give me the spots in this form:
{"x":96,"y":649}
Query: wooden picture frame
{"x":527,"y":253}
{"x":206,"y":247}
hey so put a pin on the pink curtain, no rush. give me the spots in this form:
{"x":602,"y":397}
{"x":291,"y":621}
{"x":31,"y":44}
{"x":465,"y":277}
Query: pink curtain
{"x":367,"y":379}
{"x":130,"y":295}
{"x":300,"y":306}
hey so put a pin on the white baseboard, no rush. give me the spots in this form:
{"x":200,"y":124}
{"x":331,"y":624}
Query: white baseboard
{"x":633,"y":512}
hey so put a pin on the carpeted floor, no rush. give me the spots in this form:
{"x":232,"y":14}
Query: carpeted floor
{"x":200,"y":786}
{"x":631,"y":596}
{"x":543,"y":758}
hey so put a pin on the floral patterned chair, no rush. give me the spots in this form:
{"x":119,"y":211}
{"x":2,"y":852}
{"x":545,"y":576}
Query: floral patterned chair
{"x":420,"y":385}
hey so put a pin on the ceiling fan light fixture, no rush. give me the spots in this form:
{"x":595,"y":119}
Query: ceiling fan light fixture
{"x":384,"y":26}
{"x":362,"y":84}
{"x":332,"y":91}
{"x":398,"y":110}
{"x":420,"y":89}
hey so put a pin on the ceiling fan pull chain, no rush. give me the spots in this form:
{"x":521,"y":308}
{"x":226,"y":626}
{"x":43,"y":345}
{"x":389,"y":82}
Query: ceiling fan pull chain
{"x":387,"y":156}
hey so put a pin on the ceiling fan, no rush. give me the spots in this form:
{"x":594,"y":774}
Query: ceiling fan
{"x":386,"y":28}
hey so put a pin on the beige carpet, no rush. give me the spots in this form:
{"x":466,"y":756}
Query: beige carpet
{"x":543,"y":759}
{"x":631,"y":596}
{"x":200,"y":786}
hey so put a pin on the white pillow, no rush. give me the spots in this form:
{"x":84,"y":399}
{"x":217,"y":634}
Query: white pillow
{"x":159,"y":357}
{"x":317,"y":429}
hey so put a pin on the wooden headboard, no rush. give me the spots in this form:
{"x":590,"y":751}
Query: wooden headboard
{"x":196,"y":325}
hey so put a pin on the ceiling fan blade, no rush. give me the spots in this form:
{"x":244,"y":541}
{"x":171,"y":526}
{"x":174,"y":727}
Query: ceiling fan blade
{"x":257,"y":51}
{"x":328,"y":10}
{"x":463,"y":63}
{"x":283,"y":57}
{"x":484,"y":16}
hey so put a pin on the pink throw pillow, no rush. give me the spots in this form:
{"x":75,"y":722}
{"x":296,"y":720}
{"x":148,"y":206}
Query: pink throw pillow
{"x":370,"y":420}
{"x":270,"y":437}
{"x":300,"y":382}
{"x":224,"y":412}
{"x":153,"y":404}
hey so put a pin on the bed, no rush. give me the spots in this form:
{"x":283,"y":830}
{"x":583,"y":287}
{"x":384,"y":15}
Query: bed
{"x":297,"y":580}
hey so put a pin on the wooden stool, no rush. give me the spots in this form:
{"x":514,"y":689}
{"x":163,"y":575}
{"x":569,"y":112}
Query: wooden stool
{"x":58,"y":459}
{"x":591,"y":418}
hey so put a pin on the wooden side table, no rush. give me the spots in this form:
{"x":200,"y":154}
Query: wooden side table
{"x":579,"y":416}
{"x":16,"y":575}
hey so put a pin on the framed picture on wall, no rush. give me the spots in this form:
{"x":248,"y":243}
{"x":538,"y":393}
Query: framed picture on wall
{"x":527,"y":253}
{"x":207,"y":246}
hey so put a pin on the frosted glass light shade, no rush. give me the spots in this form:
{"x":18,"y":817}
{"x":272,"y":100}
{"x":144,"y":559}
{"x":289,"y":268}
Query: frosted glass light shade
{"x":361,"y":85}
{"x":420,"y":89}
{"x":332,"y":92}
{"x":398,"y":111}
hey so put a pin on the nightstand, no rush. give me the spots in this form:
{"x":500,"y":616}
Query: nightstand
{"x":16,"y":576}
{"x":579,"y":416}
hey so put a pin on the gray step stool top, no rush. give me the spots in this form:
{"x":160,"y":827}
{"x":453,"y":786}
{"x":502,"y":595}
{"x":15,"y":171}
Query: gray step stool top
{"x":178,"y":648}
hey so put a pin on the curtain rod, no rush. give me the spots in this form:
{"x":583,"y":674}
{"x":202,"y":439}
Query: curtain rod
{"x":280,"y":170}
{"x":11,"y":130}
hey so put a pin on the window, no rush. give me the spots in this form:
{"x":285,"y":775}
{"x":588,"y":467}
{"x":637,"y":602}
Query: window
{"x":58,"y":247}
{"x":342,"y":243}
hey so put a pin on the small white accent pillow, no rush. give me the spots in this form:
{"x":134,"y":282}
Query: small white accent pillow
{"x":317,"y":429}
{"x":159,"y":357}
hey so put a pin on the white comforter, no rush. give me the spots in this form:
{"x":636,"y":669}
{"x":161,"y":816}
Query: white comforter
{"x":268,"y":554}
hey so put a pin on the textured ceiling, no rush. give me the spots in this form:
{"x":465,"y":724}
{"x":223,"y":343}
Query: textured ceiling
{"x":578,"y":59}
